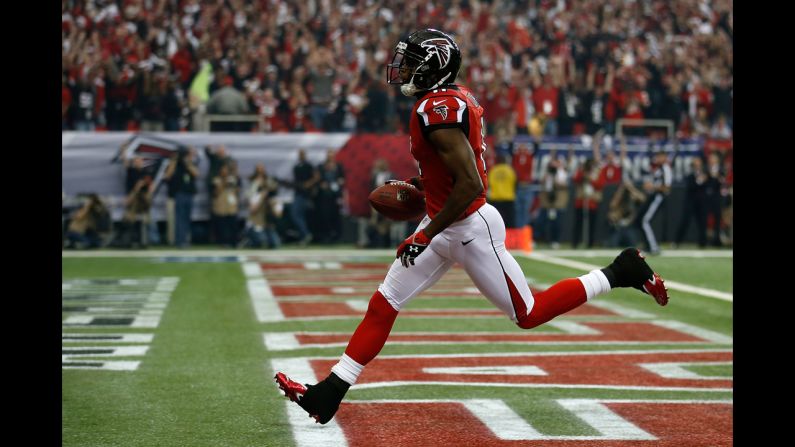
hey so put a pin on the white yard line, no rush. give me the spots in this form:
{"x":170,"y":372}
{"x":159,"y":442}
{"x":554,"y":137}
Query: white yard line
{"x":307,"y":433}
{"x":265,"y":306}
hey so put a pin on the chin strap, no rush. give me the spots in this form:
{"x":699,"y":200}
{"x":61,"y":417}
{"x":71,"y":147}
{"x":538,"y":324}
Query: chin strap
{"x":410,"y":89}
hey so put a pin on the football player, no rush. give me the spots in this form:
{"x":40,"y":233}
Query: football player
{"x":448,"y":141}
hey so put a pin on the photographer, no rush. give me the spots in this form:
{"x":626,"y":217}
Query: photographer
{"x":225,"y":203}
{"x":261,"y":221}
{"x":553,"y":199}
{"x":588,"y":186}
{"x":216,"y":158}
{"x":180,"y":176}
{"x":136,"y":214}
{"x":87,"y":224}
{"x":329,"y":198}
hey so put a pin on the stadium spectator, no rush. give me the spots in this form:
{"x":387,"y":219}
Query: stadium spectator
{"x":173,"y":104}
{"x":612,"y":168}
{"x":553,"y":199}
{"x":328,"y":201}
{"x":721,"y":129}
{"x":216,"y":158}
{"x":151,"y":101}
{"x":134,"y":171}
{"x":181,"y":175}
{"x":304,"y":184}
{"x":379,"y":231}
{"x":374,"y":116}
{"x":260,"y":226}
{"x":694,"y":205}
{"x":66,"y":103}
{"x":701,"y":127}
{"x":502,"y":189}
{"x":225,"y":200}
{"x":522,"y":163}
{"x":83,"y":109}
{"x":621,"y":214}
{"x":227,"y":100}
{"x":716,"y":194}
{"x":320,"y":80}
{"x":137,"y":203}
{"x":588,"y":186}
{"x":88,"y":224}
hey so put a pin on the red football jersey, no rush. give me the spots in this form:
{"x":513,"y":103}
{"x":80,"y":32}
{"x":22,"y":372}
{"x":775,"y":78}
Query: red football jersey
{"x":452,"y":106}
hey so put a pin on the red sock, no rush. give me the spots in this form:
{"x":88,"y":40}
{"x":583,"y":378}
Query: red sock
{"x":370,"y":336}
{"x":562,"y":297}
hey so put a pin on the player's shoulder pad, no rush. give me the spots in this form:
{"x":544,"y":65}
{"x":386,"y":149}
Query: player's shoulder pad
{"x":442,"y":108}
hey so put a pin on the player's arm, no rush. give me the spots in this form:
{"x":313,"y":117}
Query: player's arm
{"x":665,"y":186}
{"x":457,"y":155}
{"x":597,"y":141}
{"x":172,"y":165}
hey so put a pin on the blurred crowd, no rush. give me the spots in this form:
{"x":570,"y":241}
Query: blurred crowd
{"x":538,"y":66}
{"x":602,"y":204}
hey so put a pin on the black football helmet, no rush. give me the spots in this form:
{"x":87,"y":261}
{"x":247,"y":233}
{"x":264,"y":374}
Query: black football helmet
{"x":432,"y":58}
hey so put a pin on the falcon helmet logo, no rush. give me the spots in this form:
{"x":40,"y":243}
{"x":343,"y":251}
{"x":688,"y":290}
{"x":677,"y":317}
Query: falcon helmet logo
{"x":441,"y":110}
{"x":440,"y":47}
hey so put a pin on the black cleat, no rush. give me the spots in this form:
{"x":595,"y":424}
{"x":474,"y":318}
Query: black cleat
{"x":630,"y":269}
{"x":321,"y":401}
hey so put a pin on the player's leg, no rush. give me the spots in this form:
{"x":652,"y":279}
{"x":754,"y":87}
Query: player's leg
{"x":500,"y":278}
{"x":399,"y":287}
{"x":648,"y":232}
{"x":628,"y":269}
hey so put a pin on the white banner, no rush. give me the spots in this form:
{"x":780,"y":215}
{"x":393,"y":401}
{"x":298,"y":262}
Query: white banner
{"x":88,"y":166}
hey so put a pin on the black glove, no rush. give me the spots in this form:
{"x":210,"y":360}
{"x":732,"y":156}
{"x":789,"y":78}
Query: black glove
{"x":412,"y":247}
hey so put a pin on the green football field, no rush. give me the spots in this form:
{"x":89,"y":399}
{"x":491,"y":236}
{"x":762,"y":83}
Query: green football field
{"x":180,"y":349}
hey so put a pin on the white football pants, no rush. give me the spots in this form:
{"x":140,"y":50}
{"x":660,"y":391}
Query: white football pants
{"x":478,"y":244}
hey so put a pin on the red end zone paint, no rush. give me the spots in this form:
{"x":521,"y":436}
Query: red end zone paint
{"x":451,"y":424}
{"x":416,"y":424}
{"x":707,"y":424}
{"x":603,"y":369}
{"x":610,"y":332}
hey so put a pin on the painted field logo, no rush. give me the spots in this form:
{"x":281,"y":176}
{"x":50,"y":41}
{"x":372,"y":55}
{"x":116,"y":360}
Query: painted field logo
{"x":119,"y":303}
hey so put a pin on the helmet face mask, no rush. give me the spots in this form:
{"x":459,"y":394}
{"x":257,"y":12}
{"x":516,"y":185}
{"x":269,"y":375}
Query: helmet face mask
{"x":424,"y":60}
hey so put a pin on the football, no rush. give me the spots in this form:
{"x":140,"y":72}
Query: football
{"x":398,"y":201}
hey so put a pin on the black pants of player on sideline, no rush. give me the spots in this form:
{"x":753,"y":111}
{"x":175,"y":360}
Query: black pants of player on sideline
{"x":645,"y":216}
{"x":579,"y":218}
{"x":693,"y":209}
